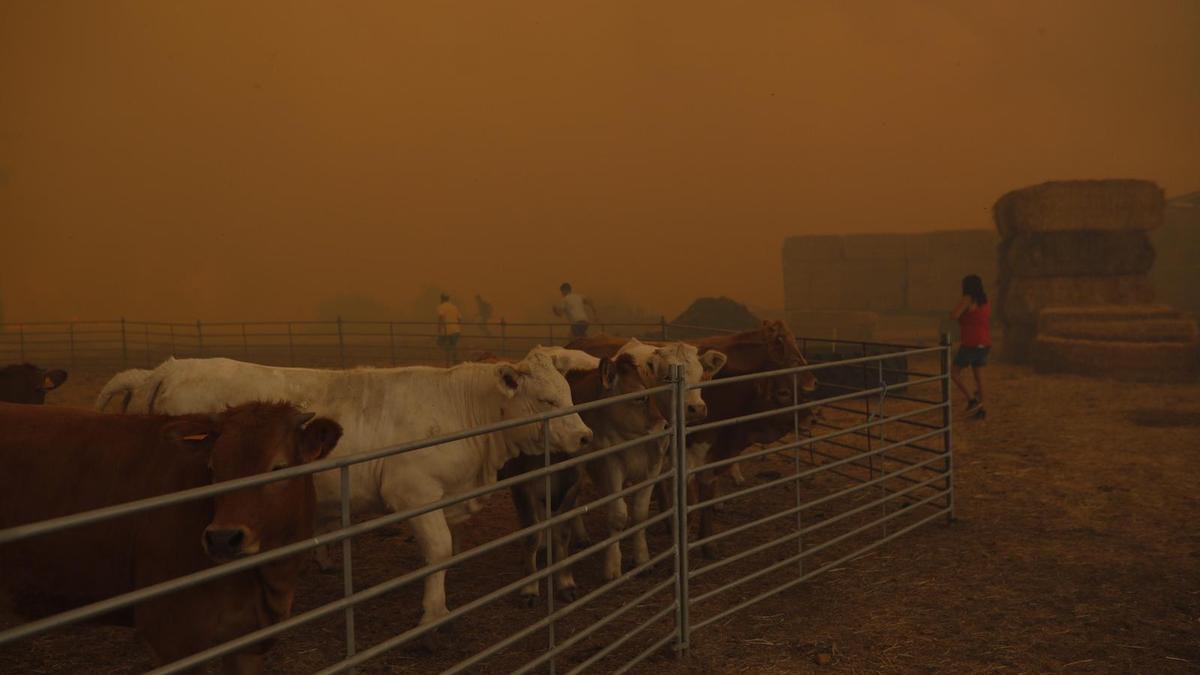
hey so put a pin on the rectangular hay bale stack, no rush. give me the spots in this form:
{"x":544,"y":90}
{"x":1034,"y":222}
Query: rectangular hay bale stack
{"x":1080,"y":205}
{"x":1076,"y":253}
{"x":1024,"y":297}
{"x":812,"y":247}
{"x":814,"y":285}
{"x":1134,"y":361}
{"x":1137,"y":323}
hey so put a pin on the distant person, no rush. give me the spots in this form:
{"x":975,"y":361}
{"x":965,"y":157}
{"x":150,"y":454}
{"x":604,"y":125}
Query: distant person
{"x":574,"y":308}
{"x":449,"y":327}
{"x":975,"y":340}
{"x":484,"y":309}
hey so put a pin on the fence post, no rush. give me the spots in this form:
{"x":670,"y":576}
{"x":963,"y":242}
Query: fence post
{"x":146,"y":339}
{"x":662,"y":324}
{"x":171,"y":332}
{"x":392,"y":341}
{"x":71,"y":338}
{"x":551,"y":344}
{"x":503,"y":337}
{"x":21,"y":340}
{"x":199,"y":339}
{"x":796,"y":486}
{"x":679,"y":483}
{"x":341,"y":343}
{"x":944,"y":342}
{"x":245,"y":345}
{"x":124,"y":346}
{"x":291,"y":346}
{"x":347,"y":563}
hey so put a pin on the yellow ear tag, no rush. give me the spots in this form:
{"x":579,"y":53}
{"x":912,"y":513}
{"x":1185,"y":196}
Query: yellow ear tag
{"x":48,"y":383}
{"x":194,"y":437}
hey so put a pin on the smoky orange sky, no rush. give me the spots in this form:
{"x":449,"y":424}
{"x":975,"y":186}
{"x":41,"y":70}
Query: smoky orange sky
{"x":230,"y":160}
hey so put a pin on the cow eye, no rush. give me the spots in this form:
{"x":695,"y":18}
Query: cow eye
{"x":279,"y":466}
{"x":549,"y":403}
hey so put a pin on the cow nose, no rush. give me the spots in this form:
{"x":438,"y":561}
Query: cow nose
{"x":224,"y":543}
{"x":697,"y":411}
{"x":585,"y":439}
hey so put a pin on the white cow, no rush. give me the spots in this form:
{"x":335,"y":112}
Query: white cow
{"x":389,"y":406}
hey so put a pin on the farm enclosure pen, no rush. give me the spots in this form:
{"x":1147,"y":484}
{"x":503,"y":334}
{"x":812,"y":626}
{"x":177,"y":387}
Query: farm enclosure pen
{"x":876,"y":466}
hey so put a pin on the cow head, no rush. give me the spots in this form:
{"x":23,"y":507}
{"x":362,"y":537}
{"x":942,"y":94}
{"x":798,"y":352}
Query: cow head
{"x":250,"y":439}
{"x":634,"y":417}
{"x":655,"y":364}
{"x":532,"y":386}
{"x":783,"y":352}
{"x":27,"y":383}
{"x":773,"y":393}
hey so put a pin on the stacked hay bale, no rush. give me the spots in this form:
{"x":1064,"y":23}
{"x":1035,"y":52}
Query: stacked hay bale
{"x":1074,"y":285}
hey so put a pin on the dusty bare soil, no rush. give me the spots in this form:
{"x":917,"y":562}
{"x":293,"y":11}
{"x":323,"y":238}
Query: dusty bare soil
{"x":1076,"y":549}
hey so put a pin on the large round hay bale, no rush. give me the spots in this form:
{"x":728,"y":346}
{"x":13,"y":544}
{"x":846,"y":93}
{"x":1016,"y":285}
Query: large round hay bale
{"x":721,"y":312}
{"x":1139,"y":361}
{"x":1081,"y":205}
{"x":1024,"y":297}
{"x":1075,"y":253}
{"x":1138,"y":323}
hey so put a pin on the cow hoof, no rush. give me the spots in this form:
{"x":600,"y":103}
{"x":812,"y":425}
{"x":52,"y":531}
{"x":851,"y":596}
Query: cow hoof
{"x":567,"y":594}
{"x":530,"y":601}
{"x":437,"y":640}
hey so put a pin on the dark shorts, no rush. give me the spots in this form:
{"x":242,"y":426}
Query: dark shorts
{"x":579,"y":329}
{"x":971,"y":356}
{"x":450,"y":340}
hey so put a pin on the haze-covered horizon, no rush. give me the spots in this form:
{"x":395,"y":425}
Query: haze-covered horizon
{"x":178,"y":161}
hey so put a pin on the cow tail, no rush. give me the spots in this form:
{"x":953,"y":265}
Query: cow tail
{"x":123,"y":383}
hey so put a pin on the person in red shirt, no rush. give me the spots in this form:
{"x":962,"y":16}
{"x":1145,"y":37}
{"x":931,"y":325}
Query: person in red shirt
{"x":975,"y":336}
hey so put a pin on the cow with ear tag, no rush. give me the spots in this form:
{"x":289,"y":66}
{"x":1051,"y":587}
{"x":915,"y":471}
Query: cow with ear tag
{"x":27,"y":383}
{"x":384,"y":407}
{"x":61,"y":461}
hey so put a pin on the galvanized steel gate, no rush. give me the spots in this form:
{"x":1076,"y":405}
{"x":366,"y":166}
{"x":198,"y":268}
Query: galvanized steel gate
{"x":908,"y":482}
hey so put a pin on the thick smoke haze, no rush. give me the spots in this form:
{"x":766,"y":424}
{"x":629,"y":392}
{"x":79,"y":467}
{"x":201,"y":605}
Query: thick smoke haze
{"x":228,"y":160}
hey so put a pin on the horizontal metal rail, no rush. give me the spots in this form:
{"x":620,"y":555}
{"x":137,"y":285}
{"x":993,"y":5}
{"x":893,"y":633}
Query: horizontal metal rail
{"x":809,"y":575}
{"x":811,"y":550}
{"x":792,"y":445}
{"x":742,"y":419}
{"x":899,"y":397}
{"x":792,"y":536}
{"x":644,"y":654}
{"x":792,"y":510}
{"x":718,"y":381}
{"x":658,"y":616}
{"x":88,"y":517}
{"x":809,"y":472}
{"x":915,"y":423}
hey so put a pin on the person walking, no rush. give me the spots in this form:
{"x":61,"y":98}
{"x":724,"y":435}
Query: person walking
{"x":973,"y":313}
{"x":449,"y":328}
{"x":574,"y":308}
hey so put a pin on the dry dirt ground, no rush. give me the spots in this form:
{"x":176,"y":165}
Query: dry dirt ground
{"x":1076,"y":549}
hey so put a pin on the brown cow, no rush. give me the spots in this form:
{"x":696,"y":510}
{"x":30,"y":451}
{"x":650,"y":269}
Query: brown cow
{"x":26,"y":383}
{"x":59,"y":461}
{"x":770,"y":347}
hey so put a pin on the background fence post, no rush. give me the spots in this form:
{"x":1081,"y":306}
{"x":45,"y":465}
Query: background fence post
{"x":146,"y":340}
{"x":347,"y":564}
{"x":291,"y":346}
{"x":171,"y":332}
{"x":245,"y":344}
{"x":21,"y":340}
{"x":124,"y":346}
{"x":503,"y":337}
{"x":392,"y":341}
{"x":947,"y":446}
{"x":71,"y":338}
{"x":662,"y":324}
{"x":341,"y":343}
{"x":679,"y":483}
{"x":199,"y":339}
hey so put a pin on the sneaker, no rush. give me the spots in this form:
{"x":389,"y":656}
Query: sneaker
{"x":974,"y":406}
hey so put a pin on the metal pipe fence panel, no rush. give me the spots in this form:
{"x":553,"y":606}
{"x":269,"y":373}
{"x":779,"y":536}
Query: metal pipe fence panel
{"x":868,"y":480}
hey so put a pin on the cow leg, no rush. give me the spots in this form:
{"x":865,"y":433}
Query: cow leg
{"x":565,"y":579}
{"x":735,"y":472}
{"x":707,"y":489}
{"x":641,"y":511}
{"x":433,"y":535}
{"x":324,"y":553}
{"x":618,"y":517}
{"x":526,"y":514}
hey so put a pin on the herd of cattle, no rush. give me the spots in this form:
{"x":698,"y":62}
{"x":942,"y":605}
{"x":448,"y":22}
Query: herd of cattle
{"x":192,"y":422}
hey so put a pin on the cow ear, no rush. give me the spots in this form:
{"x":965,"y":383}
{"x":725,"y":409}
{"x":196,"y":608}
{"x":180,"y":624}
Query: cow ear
{"x":53,"y":379}
{"x":319,"y":438}
{"x":193,"y":434}
{"x":508,"y":380}
{"x":712,"y":361}
{"x":608,"y":374}
{"x":562,"y":363}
